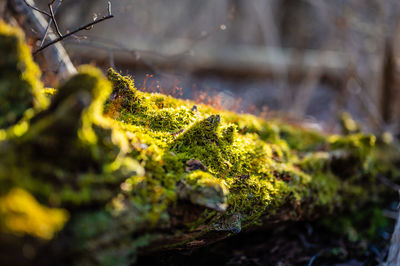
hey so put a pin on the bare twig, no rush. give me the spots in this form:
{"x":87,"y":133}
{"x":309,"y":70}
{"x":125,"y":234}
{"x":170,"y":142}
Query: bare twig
{"x":73,"y":32}
{"x":53,"y":18}
{"x":109,"y":8}
{"x":49,"y":24}
{"x":61,"y":37}
{"x":37,"y":9}
{"x":35,"y":24}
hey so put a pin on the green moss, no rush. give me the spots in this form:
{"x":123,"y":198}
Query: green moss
{"x":203,"y":189}
{"x":21,"y":214}
{"x":262,"y":164}
{"x":92,"y":148}
{"x":366,"y":224}
{"x":301,"y":139}
{"x":349,"y":126}
{"x":123,"y":89}
{"x":123,"y":161}
{"x":20,"y":87}
{"x":351,"y":154}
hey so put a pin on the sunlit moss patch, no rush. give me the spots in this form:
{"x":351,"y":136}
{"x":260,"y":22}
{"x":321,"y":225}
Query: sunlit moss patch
{"x":21,"y":214}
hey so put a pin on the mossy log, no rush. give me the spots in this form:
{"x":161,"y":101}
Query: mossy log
{"x":96,"y":172}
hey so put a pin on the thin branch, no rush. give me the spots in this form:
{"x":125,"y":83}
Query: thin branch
{"x":84,"y":27}
{"x":49,"y":24}
{"x":37,"y":9}
{"x":388,"y":182}
{"x":109,"y":8}
{"x":54,"y":19}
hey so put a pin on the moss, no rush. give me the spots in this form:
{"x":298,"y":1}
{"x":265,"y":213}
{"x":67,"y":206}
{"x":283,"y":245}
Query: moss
{"x":74,"y":114}
{"x":349,"y":126}
{"x":351,"y":155}
{"x":301,"y":139}
{"x":366,"y":224}
{"x":203,"y":189}
{"x":49,"y":92}
{"x":123,"y":89}
{"x":264,"y":164}
{"x":20,"y":87}
{"x":21,"y":214}
{"x":122,"y":161}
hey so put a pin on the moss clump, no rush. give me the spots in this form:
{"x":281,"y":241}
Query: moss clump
{"x":203,"y":189}
{"x":349,"y":126}
{"x":263,"y":164}
{"x":123,"y":89}
{"x":156,"y":112}
{"x":20,"y":87}
{"x":92,"y":151}
{"x":21,"y":214}
{"x":351,"y":154}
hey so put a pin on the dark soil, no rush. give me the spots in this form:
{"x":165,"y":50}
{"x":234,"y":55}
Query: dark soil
{"x":294,"y":244}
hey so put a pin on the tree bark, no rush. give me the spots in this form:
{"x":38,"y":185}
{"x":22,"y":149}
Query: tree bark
{"x":394,"y":251}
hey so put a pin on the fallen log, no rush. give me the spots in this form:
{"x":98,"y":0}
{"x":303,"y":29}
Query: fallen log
{"x":105,"y":172}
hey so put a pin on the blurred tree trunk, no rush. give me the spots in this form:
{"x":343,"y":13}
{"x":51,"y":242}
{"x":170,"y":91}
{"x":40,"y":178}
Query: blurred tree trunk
{"x":394,"y":251}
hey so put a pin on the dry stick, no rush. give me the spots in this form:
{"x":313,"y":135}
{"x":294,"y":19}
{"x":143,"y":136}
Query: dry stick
{"x":54,"y":19}
{"x":49,"y":24}
{"x":34,"y":23}
{"x":73,"y":32}
{"x":60,"y":36}
{"x":37,"y":9}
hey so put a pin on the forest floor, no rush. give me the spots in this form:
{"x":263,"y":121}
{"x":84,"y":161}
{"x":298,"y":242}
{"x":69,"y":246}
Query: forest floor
{"x":301,"y":243}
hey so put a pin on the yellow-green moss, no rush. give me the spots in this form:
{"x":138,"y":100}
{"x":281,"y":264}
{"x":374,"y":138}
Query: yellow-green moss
{"x":261,"y":162}
{"x":119,"y":160}
{"x":92,"y":150}
{"x":203,"y":189}
{"x":349,"y":126}
{"x":21,"y":214}
{"x":20,"y":87}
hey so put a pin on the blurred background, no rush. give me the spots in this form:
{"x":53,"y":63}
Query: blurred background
{"x":301,"y":59}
